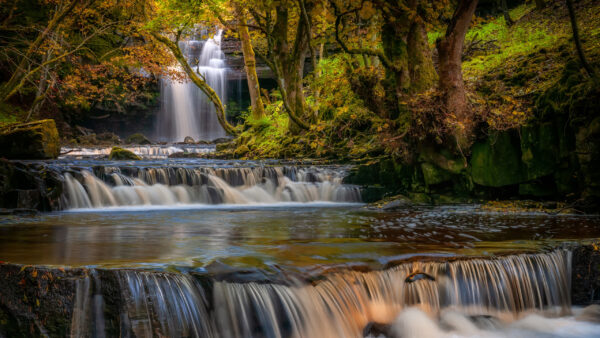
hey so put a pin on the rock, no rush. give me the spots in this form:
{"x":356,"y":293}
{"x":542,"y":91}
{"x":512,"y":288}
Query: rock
{"x":397,"y":203}
{"x":241,"y":150}
{"x":33,"y":140}
{"x":585,"y":278}
{"x":539,"y":150}
{"x":419,"y":198}
{"x":537,"y":189}
{"x":441,"y":158}
{"x":224,"y":146}
{"x":434,"y":175}
{"x":27,"y":186}
{"x":417,"y":276}
{"x":138,"y":138}
{"x":108,"y":138}
{"x":373,"y":329}
{"x":118,"y":153}
{"x":220,"y":140}
{"x":497,"y":161}
{"x":189,"y":140}
{"x":84,"y":131}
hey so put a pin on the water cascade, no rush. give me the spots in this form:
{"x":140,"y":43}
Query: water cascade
{"x":185,"y":109}
{"x":132,"y":186}
{"x":501,"y":291}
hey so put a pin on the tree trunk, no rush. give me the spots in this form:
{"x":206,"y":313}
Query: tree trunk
{"x":420,"y":62}
{"x":198,"y":81}
{"x":540,"y":4}
{"x":450,"y":69}
{"x":588,"y":68}
{"x":504,"y":8}
{"x":258,"y":110}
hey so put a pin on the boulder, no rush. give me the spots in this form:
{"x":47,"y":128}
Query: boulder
{"x":32,"y":140}
{"x":108,"y":138}
{"x":496,"y":162}
{"x":189,"y":140}
{"x":118,"y":153}
{"x":539,"y":150}
{"x":434,"y":175}
{"x":138,"y":138}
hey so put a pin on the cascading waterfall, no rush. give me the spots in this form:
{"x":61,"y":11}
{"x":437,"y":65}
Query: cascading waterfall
{"x":130,"y":186}
{"x":342,"y":304}
{"x":185,"y":109}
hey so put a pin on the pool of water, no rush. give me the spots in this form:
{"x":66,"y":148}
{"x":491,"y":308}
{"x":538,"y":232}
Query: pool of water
{"x":282,"y":236}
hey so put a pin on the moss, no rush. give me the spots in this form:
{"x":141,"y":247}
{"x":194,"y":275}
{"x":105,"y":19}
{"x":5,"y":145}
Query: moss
{"x":120,"y":154}
{"x":434,"y":175}
{"x":496,"y":162}
{"x":540,"y":150}
{"x":33,"y":140}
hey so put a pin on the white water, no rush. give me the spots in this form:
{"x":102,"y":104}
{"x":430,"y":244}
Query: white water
{"x":145,"y":152}
{"x":185,"y":109}
{"x":188,"y":187}
{"x":512,"y":296}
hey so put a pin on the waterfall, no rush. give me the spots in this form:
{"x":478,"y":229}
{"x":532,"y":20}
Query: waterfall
{"x":185,"y":109}
{"x":512,"y":290}
{"x":131,"y":186}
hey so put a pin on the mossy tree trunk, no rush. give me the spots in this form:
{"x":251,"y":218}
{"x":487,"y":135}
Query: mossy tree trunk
{"x":450,"y":70}
{"x":258,"y":110}
{"x":420,"y":62}
{"x":198,"y":81}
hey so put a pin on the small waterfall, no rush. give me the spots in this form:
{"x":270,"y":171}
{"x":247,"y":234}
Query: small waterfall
{"x":146,"y":152}
{"x":131,"y":186}
{"x":342,"y":304}
{"x":185,"y":109}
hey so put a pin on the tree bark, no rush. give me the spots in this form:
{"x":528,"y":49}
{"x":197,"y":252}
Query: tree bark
{"x":450,"y":69}
{"x":588,"y":68}
{"x":420,"y":62}
{"x":504,"y":8}
{"x":198,"y":81}
{"x":258,"y":110}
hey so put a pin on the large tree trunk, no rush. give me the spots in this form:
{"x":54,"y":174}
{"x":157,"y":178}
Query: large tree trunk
{"x":198,"y":81}
{"x":450,"y":70}
{"x":591,"y":72}
{"x":420,"y":62}
{"x":258,"y":110}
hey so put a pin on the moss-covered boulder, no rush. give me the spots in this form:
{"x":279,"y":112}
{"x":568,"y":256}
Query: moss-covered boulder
{"x":539,"y":150}
{"x":496,"y":162}
{"x":434,"y":175}
{"x":118,"y":153}
{"x":33,"y":140}
{"x":138,"y":138}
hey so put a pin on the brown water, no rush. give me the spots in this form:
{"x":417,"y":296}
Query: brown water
{"x":284,"y":237}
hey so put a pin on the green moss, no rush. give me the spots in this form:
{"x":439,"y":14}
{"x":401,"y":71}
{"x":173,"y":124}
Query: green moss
{"x":540,"y":150}
{"x":434,"y":175}
{"x":120,"y":154}
{"x":496,"y":162}
{"x":33,"y":140}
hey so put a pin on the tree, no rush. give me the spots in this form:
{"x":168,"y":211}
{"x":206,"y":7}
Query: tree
{"x":451,"y":82}
{"x":588,"y":68}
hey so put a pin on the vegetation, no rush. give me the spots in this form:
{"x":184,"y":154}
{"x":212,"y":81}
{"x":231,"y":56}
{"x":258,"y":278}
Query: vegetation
{"x":466,"y":91}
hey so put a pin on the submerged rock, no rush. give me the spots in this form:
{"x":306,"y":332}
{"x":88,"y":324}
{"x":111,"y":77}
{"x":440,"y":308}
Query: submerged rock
{"x":417,"y":276}
{"x":138,"y":138}
{"x":118,"y":153}
{"x":33,"y":140}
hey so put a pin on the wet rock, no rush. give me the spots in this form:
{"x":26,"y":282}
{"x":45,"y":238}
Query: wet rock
{"x":417,"y":276}
{"x":434,"y":175}
{"x":373,"y":329}
{"x":138,"y":138}
{"x":189,"y":140}
{"x":221,"y":140}
{"x":26,"y":186}
{"x":585,"y":280}
{"x":118,"y":153}
{"x":33,"y":140}
{"x":397,"y":203}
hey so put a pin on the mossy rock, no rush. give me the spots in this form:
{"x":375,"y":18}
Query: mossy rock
{"x":537,"y":189}
{"x":138,"y":138}
{"x":539,"y":150}
{"x":496,"y":162}
{"x":241,"y":150}
{"x":442,"y":158}
{"x":120,"y":154}
{"x":33,"y":140}
{"x":434,"y":175}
